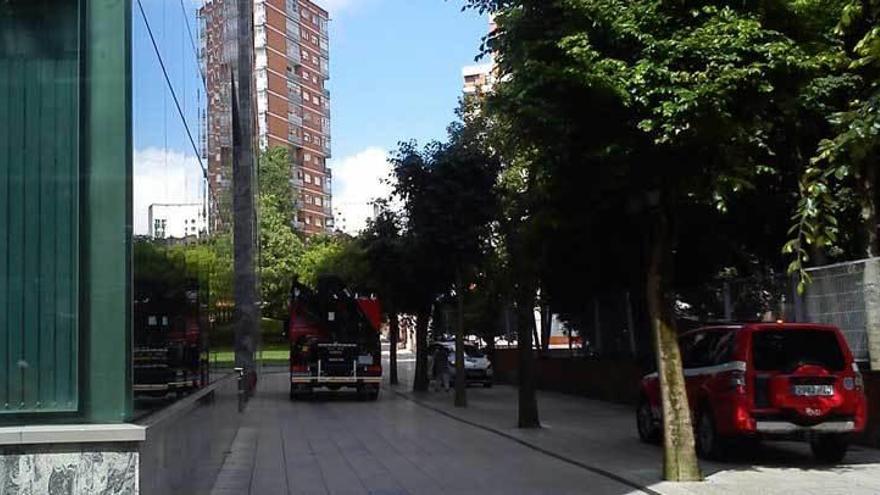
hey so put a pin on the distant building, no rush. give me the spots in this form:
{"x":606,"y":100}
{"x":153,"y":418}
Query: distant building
{"x":291,"y":67}
{"x":478,"y":79}
{"x":176,"y":221}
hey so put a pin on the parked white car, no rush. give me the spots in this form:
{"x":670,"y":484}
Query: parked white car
{"x":478,"y":368}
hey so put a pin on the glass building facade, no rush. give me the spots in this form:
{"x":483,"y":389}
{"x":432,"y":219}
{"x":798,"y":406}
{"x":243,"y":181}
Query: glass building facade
{"x":65,"y":209}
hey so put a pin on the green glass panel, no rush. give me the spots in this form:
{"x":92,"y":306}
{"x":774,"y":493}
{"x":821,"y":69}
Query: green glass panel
{"x":39,"y":205}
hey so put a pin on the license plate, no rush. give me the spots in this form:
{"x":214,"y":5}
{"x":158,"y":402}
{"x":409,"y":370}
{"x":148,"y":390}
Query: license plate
{"x":813,"y":390}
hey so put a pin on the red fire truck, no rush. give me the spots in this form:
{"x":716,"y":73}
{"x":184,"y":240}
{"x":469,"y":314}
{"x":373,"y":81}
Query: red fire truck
{"x":334,"y":340}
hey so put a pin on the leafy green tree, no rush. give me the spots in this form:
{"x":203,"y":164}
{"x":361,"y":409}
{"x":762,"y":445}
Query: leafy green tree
{"x":669,"y":105}
{"x":336,"y":255}
{"x":387,"y":274}
{"x":280,"y":247}
{"x":448,"y":196}
{"x":845,"y":165}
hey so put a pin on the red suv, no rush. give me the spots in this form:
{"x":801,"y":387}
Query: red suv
{"x":765,"y":380}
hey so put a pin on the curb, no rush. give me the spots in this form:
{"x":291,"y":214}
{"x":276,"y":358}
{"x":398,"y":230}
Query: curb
{"x":529,"y":445}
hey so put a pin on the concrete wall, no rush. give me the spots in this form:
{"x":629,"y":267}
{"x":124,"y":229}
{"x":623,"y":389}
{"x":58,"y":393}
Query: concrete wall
{"x":187,"y":442}
{"x":71,"y":468}
{"x":614,"y":380}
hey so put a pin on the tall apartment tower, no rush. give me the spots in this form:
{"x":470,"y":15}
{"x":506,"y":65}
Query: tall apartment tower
{"x":291,"y":67}
{"x":480,"y":80}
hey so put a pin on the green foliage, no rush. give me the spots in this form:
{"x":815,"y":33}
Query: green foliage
{"x":280,"y":246}
{"x":843,"y":163}
{"x":449,"y":202}
{"x":325,"y":255}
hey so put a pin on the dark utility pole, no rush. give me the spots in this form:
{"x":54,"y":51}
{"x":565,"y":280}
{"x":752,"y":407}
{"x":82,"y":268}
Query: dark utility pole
{"x":247,"y":313}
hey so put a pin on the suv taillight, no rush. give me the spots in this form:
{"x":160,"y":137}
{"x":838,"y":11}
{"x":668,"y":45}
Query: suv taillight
{"x":855,"y":382}
{"x":737,"y":381}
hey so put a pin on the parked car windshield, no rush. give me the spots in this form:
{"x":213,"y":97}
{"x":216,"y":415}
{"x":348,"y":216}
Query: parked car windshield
{"x":473,"y":351}
{"x":785,"y":350}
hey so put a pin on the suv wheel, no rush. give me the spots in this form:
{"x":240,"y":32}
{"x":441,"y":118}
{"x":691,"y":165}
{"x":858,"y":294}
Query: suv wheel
{"x":829,"y":448}
{"x":709,"y":444}
{"x":648,"y":430}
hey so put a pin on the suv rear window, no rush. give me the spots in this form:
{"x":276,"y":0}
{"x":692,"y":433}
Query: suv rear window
{"x":786,"y":350}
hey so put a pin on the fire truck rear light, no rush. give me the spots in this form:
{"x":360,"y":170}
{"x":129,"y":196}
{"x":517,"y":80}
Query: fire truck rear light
{"x":299,"y":368}
{"x":374,"y":369}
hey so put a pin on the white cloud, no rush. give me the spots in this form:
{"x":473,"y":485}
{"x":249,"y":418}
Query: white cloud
{"x":163,"y":176}
{"x":357,"y":181}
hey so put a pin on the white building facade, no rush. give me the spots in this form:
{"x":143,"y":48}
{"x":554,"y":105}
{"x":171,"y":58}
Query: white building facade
{"x":177,"y":221}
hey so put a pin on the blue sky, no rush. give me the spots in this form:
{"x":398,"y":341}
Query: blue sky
{"x":395,"y":75}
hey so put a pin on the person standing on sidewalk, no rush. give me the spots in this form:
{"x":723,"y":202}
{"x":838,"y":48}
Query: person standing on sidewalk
{"x":441,"y":368}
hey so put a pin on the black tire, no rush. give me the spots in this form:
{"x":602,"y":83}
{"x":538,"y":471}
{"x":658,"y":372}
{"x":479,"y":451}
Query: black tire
{"x":709,"y":444}
{"x":646,"y":425}
{"x":829,"y":449}
{"x":373,"y":396}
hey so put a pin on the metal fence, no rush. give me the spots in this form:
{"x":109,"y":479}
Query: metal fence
{"x":847,"y":295}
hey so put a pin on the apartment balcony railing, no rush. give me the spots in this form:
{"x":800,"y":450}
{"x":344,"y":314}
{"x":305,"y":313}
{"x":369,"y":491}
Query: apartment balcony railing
{"x":297,"y":140}
{"x":293,"y":30}
{"x":326,"y":93}
{"x":295,"y":97}
{"x":295,"y":120}
{"x":298,"y":225}
{"x":327,"y":209}
{"x":292,"y":7}
{"x":328,"y":187}
{"x":295,"y":55}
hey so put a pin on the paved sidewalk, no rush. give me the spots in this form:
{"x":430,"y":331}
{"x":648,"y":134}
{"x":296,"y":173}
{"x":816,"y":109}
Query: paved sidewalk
{"x":603,"y":436}
{"x":393,"y":446}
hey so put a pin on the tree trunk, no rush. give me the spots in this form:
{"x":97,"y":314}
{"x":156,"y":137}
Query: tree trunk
{"x":393,"y":337}
{"x":420,"y":383}
{"x":680,"y":458}
{"x":528,"y":401}
{"x":460,"y":377}
{"x":546,"y":327}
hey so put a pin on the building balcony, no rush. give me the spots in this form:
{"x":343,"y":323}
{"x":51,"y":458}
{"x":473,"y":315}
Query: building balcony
{"x":295,"y":56}
{"x":295,"y":120}
{"x":296,"y":140}
{"x":293,"y":31}
{"x":328,"y":210}
{"x":298,"y":225}
{"x":295,"y":97}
